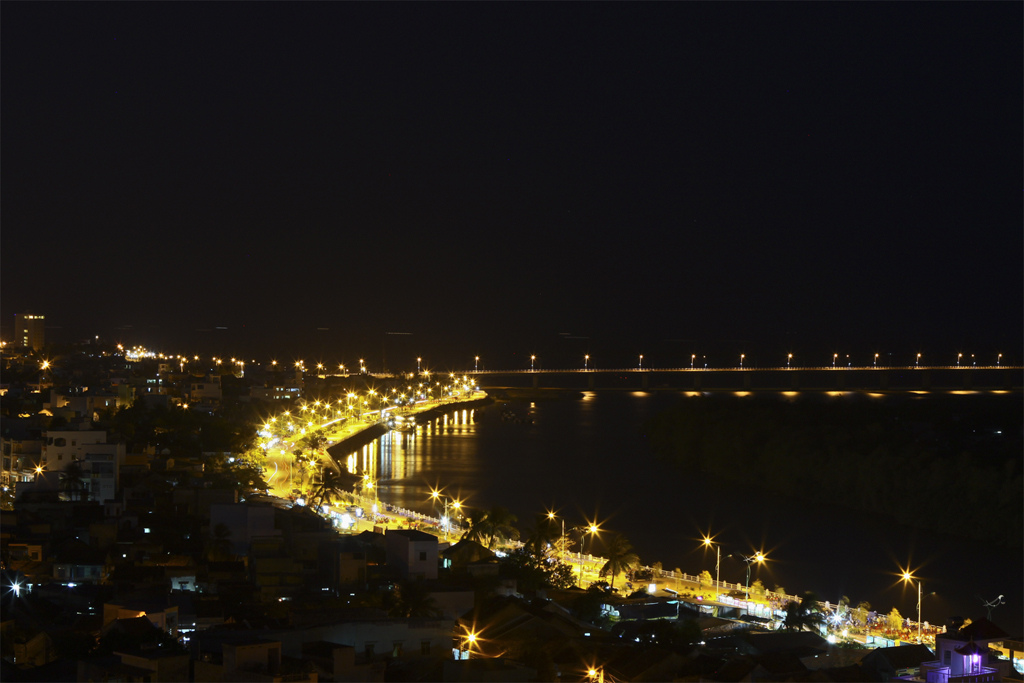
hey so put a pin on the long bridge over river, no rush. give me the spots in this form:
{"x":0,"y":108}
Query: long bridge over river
{"x":827,"y":378}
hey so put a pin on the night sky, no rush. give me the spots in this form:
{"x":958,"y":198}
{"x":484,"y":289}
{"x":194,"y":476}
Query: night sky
{"x":507,"y":179}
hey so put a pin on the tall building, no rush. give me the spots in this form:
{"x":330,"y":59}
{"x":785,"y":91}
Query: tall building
{"x":28,"y":331}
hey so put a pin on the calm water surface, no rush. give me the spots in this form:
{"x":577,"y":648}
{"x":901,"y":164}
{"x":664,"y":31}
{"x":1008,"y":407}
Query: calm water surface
{"x":588,"y":459}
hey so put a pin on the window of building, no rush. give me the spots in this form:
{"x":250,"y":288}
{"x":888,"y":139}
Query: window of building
{"x":369,"y":647}
{"x":423,"y":556}
{"x":396,"y":648}
{"x":425,"y":648}
{"x":60,"y":442}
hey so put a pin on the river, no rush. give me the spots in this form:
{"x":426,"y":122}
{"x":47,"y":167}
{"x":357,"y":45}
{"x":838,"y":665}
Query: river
{"x":588,"y":460}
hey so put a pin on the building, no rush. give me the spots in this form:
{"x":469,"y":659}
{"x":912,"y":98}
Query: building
{"x":412,"y":553}
{"x":29,"y":331}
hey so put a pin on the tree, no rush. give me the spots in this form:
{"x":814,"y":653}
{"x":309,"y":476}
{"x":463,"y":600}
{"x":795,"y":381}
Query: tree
{"x":545,"y":532}
{"x":757,"y":590}
{"x":705,"y":579}
{"x":804,"y":614}
{"x":492,"y":527}
{"x":621,"y":557}
{"x":860,"y":613}
{"x":331,"y":486}
{"x":413,"y":601}
{"x":72,"y":481}
{"x":894,"y":620}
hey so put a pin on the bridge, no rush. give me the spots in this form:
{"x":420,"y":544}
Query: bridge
{"x":820,"y":378}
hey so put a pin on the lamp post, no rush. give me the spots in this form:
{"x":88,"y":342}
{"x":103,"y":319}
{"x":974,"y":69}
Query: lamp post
{"x":561,"y":539}
{"x":532,"y":358}
{"x":586,"y":360}
{"x":917,"y":362}
{"x":476,"y":363}
{"x":789,"y":360}
{"x":641,"y":363}
{"x":834,"y":357}
{"x":592,"y":529}
{"x":718,"y":562}
{"x":999,"y":359}
{"x":874,"y":363}
{"x":693,"y":357}
{"x":958,"y":357}
{"x":742,"y":356}
{"x":908,"y":577}
{"x":759,"y":558}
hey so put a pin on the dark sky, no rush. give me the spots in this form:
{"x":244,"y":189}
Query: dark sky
{"x":659,"y":178}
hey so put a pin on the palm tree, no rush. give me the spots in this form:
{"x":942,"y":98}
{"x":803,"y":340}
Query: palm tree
{"x":493,"y":527}
{"x":415,"y":602}
{"x":545,"y":532}
{"x":621,"y":557}
{"x":332,"y":485}
{"x":72,"y":481}
{"x":804,"y":614}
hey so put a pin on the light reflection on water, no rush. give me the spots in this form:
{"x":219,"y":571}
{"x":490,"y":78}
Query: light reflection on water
{"x":589,"y":458}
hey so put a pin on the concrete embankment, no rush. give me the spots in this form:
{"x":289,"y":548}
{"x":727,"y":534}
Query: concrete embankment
{"x":342,"y":449}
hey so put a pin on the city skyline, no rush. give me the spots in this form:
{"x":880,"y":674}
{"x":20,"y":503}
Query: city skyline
{"x":513,"y":180}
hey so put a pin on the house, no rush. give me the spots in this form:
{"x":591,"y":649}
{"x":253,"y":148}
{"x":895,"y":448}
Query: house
{"x":412,"y":553}
{"x":964,"y":656}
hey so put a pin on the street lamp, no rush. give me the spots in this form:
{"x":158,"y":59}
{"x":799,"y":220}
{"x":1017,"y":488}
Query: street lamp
{"x":999,"y":359}
{"x":476,"y":362}
{"x":908,"y":577}
{"x":718,"y":562}
{"x":834,"y":357}
{"x":874,"y":364}
{"x":693,"y":357}
{"x":958,"y":357}
{"x":592,"y":529}
{"x":789,"y":359}
{"x":561,"y":539}
{"x":586,"y":360}
{"x":641,"y":365}
{"x":532,"y":358}
{"x":418,"y":365}
{"x":742,"y":356}
{"x":756,"y":557}
{"x":917,"y":363}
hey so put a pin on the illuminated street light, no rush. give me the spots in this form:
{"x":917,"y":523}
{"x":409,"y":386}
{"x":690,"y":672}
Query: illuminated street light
{"x":418,"y":360}
{"x":532,"y":358}
{"x":999,"y":359}
{"x":789,"y":359}
{"x":718,"y":562}
{"x":742,"y":356}
{"x":875,"y":363}
{"x":759,"y":558}
{"x":590,"y":529}
{"x":834,"y":357}
{"x":476,"y":362}
{"x":958,"y":357}
{"x":586,"y":360}
{"x":641,"y":364}
{"x":693,"y":357}
{"x":908,"y":577}
{"x":917,"y":363}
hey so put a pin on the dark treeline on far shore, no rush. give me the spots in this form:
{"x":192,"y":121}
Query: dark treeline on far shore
{"x":944,"y":462}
